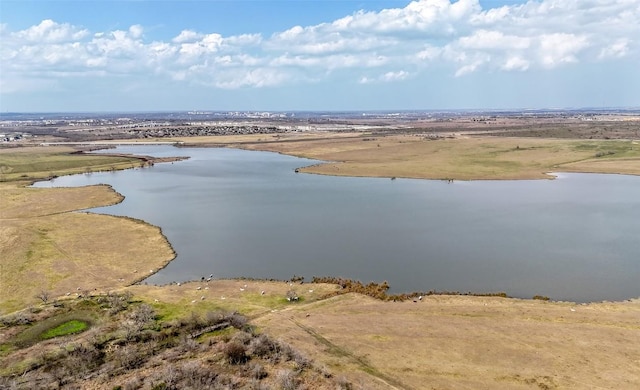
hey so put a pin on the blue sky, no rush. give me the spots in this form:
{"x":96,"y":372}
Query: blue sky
{"x":318,"y":55}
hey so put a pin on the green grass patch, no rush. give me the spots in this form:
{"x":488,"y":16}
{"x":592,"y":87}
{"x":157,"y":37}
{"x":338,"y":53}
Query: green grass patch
{"x":58,"y":325}
{"x":586,"y":146}
{"x":225,"y":333}
{"x":268,"y":301}
{"x":69,"y":327}
{"x":6,"y":348}
{"x":602,"y":148}
{"x":174,"y":311}
{"x":169,"y":311}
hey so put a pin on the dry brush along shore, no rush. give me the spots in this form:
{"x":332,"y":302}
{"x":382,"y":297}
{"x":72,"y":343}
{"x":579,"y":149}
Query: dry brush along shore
{"x":125,"y":344}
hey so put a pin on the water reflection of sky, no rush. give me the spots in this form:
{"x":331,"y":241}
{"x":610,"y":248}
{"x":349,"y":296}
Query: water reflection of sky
{"x":239,"y":213}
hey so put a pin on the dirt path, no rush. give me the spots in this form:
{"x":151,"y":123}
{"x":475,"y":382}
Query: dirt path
{"x":468,"y":342}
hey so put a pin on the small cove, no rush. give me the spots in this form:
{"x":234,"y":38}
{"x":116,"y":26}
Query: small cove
{"x":237,"y":213}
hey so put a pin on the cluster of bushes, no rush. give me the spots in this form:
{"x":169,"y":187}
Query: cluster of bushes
{"x":130,"y":348}
{"x":379,"y":290}
{"x":297,"y":279}
{"x":375,"y":290}
{"x":603,"y":154}
{"x":19,"y":318}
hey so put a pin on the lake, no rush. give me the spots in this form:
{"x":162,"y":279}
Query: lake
{"x":236,"y":213}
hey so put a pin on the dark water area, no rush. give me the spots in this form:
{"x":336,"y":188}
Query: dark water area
{"x":235,"y":213}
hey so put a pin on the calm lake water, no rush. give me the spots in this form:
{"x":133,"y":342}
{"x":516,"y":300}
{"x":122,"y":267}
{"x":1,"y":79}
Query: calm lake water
{"x":238,"y":213}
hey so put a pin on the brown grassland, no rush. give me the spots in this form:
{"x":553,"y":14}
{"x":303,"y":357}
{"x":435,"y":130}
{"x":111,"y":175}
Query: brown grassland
{"x":460,"y":157}
{"x":47,"y":244}
{"x":446,"y":342}
{"x":38,"y":162}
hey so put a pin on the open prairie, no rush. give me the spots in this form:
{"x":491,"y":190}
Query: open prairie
{"x":48,"y":245}
{"x":39,"y":162}
{"x":444,"y":342}
{"x":455,"y":157}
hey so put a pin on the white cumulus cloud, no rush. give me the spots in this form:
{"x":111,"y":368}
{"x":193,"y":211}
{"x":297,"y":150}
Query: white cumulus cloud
{"x":390,"y":45}
{"x":516,"y":63}
{"x":494,"y":40}
{"x":395,"y":76}
{"x":618,"y":49}
{"x":385,"y":77}
{"x":187,"y":36}
{"x":49,"y":31}
{"x":561,"y":48}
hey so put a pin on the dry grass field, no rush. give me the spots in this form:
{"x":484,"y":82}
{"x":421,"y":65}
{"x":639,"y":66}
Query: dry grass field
{"x":457,"y":342}
{"x":29,"y":163}
{"x":46,"y":246}
{"x":250,"y":297}
{"x":460,"y":158}
{"x":437,"y":342}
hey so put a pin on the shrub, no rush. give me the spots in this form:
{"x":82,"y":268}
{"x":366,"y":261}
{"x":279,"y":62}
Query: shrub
{"x":170,"y":377}
{"x":8,"y":383}
{"x":287,"y":380}
{"x":379,"y":290}
{"x":255,"y":371}
{"x":188,"y":344}
{"x":215,"y":317}
{"x":300,"y":360}
{"x":84,"y":358}
{"x":344,"y":384}
{"x":257,"y":385}
{"x":20,"y":318}
{"x":116,"y":302}
{"x":262,"y":346}
{"x":242,"y":337}
{"x":196,"y":376}
{"x":372,"y":289}
{"x":129,"y":357}
{"x":142,"y":314}
{"x":236,"y":320}
{"x":541,"y":297}
{"x":235,"y":352}
{"x":61,"y":374}
{"x":134,"y":384}
{"x":297,"y":279}
{"x":44,"y":296}
{"x":287,"y":353}
{"x":602,"y":154}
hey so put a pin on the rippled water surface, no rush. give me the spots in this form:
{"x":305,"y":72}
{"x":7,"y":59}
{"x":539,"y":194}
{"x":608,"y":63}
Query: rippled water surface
{"x":240,"y":213}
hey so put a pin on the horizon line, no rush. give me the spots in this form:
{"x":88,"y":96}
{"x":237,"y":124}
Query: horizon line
{"x":384,"y":110}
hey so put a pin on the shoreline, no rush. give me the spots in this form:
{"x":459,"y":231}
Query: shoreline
{"x":141,"y":280}
{"x":351,"y":148}
{"x":277,"y":146}
{"x":408,"y":294}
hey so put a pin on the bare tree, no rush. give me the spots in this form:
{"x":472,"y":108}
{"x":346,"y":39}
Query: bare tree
{"x":44,"y":296}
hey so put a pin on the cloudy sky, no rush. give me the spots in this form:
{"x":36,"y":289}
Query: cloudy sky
{"x":318,"y":55}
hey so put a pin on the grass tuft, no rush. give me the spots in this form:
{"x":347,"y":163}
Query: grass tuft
{"x":69,"y":327}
